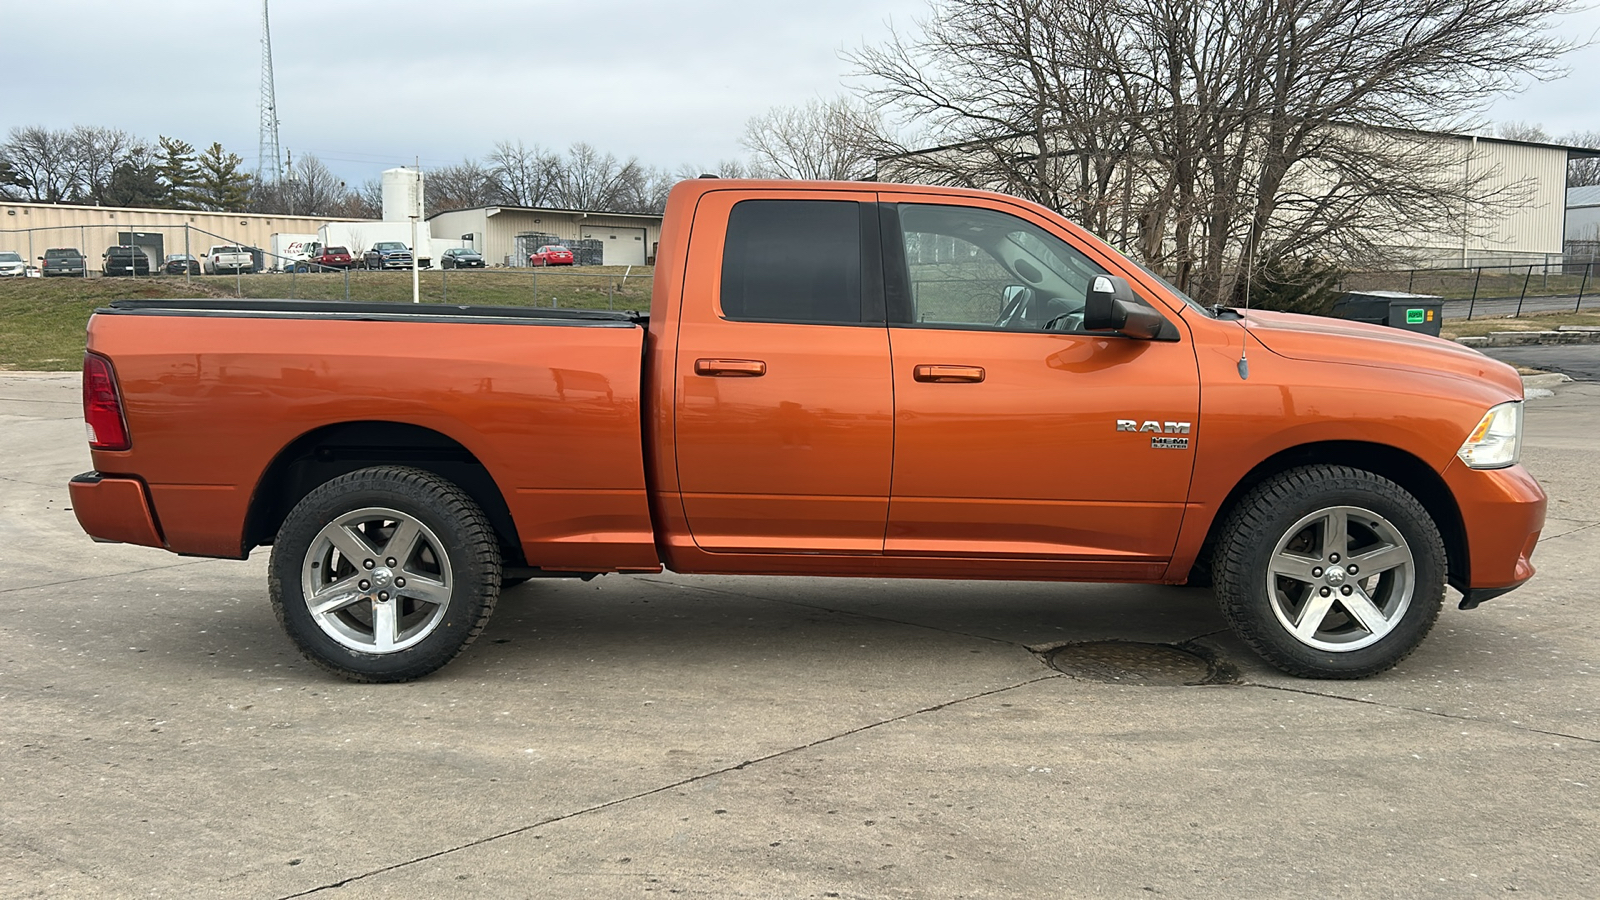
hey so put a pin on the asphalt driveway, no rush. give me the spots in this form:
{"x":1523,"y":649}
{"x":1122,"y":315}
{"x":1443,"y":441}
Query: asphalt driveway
{"x":785,"y":737}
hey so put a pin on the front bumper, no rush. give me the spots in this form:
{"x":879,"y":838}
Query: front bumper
{"x":1502,"y":511}
{"x":114,"y":510}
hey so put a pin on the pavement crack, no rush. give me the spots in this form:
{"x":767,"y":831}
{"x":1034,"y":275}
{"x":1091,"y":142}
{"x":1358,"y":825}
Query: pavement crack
{"x":1426,"y":712}
{"x":34,"y":587}
{"x":597,"y":807}
{"x":1570,"y":533}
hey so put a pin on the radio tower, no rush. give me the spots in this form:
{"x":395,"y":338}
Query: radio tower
{"x":269,"y":158}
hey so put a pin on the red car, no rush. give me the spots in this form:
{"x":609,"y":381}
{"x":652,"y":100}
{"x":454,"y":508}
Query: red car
{"x":334,"y":258}
{"x":550,"y":255}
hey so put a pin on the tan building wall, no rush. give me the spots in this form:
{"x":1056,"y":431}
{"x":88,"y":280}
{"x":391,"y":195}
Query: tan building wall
{"x":31,"y":228}
{"x":496,"y":228}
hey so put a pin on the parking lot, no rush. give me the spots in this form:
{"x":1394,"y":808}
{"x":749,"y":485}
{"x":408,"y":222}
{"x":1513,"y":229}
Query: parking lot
{"x":783,"y":737}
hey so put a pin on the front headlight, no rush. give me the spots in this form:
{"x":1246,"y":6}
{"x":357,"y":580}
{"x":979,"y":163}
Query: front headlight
{"x":1497,"y":441}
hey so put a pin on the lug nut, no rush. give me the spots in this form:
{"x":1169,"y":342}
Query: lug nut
{"x":1326,"y":591}
{"x":399,"y":582}
{"x":369,"y":564}
{"x":365,"y":584}
{"x":1345,"y":590}
{"x":1333,"y":557}
{"x":1317,"y":572}
{"x":390,"y":561}
{"x":383,"y":595}
{"x":1353,"y":570}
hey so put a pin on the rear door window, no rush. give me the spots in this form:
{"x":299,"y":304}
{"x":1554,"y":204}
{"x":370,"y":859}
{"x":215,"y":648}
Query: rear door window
{"x":795,"y":261}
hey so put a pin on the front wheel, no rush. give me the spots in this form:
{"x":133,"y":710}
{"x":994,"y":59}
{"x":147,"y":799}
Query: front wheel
{"x":1330,"y":572}
{"x":384,"y":574}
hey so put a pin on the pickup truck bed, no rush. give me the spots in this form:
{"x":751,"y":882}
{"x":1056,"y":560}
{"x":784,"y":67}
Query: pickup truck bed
{"x":232,"y":400}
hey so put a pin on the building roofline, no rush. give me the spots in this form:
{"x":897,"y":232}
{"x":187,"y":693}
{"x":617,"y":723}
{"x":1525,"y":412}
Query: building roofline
{"x":183,"y":212}
{"x":498,"y":207}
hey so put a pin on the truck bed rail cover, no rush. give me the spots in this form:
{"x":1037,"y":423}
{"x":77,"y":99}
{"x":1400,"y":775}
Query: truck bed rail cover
{"x":375,"y":312}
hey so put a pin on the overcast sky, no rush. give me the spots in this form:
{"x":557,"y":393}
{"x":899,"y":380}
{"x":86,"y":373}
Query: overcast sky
{"x":670,"y":82}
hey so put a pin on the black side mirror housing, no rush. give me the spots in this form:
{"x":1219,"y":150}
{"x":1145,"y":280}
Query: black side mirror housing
{"x":1111,"y":305}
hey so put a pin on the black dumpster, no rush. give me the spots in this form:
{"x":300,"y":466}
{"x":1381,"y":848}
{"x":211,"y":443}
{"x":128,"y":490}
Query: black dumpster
{"x":1397,"y":309}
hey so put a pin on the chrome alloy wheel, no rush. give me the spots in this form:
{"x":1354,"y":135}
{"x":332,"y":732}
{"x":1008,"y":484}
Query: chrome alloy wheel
{"x":1341,"y":579}
{"x":376,"y":580}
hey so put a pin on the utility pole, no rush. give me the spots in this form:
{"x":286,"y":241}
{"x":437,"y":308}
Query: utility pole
{"x":269,"y":158}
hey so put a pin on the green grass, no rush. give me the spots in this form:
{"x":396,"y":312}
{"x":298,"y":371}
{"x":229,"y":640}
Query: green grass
{"x":42,"y":320}
{"x":1528,"y":322}
{"x":1463,"y":284}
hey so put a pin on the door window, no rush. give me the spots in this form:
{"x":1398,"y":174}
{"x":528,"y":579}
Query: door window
{"x":967,"y":268}
{"x":793,"y":261}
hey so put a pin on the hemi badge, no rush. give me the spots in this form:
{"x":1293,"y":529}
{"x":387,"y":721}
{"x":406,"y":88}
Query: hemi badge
{"x":1166,"y":443}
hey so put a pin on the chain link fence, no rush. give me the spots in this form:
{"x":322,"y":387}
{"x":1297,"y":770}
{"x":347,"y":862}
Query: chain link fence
{"x":273,"y":276}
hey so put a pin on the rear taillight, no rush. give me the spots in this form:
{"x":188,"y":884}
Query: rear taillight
{"x":102,"y":405}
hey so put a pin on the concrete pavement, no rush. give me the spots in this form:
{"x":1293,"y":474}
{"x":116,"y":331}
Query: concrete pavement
{"x":742,"y":737}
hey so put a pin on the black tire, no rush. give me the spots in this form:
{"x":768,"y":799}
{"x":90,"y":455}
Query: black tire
{"x":1328,"y":618}
{"x":452,"y":556}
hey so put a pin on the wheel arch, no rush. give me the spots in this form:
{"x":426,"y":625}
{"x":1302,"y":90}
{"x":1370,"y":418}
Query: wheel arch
{"x":325,"y":453}
{"x":1411,"y":473}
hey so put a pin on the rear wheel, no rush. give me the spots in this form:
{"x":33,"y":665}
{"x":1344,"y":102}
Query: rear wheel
{"x":1330,"y":572}
{"x":385,"y":574}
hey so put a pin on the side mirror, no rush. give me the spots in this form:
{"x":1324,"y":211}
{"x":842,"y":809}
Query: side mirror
{"x":1111,"y":305}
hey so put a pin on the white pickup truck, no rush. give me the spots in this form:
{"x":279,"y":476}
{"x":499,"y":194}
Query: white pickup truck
{"x":229,"y":258}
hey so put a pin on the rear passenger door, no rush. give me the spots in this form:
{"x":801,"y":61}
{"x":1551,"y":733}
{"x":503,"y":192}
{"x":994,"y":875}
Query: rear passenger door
{"x":784,"y":419}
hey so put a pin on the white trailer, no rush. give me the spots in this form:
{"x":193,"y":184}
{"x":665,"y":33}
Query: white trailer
{"x":288,"y":249}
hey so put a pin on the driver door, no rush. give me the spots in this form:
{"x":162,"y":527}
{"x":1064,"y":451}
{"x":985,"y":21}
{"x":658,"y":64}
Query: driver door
{"x":1007,"y":443}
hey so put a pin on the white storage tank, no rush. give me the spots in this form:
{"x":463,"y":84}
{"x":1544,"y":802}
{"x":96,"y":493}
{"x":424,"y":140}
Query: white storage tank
{"x":402,"y":194}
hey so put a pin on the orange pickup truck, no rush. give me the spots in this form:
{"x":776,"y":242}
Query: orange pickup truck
{"x":833,"y":379}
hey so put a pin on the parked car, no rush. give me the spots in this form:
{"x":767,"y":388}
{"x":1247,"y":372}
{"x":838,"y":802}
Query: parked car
{"x":12,"y":265}
{"x":333,"y":258}
{"x":1041,"y":409}
{"x":229,"y":258}
{"x":388,"y":255}
{"x":461,"y":258}
{"x":181,"y":264}
{"x":61,"y":261}
{"x":124,"y":260}
{"x":550,"y":255}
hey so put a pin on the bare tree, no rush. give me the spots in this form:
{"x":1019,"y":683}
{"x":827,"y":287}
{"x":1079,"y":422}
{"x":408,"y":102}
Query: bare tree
{"x":591,"y":180}
{"x":1584,"y":170}
{"x":833,"y":140}
{"x":44,"y":164}
{"x":522,"y":175}
{"x":1200,"y":134}
{"x":461,"y":186}
{"x":98,"y":151}
{"x":1522,"y":131}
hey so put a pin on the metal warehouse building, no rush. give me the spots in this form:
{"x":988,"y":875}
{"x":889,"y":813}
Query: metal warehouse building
{"x":32,"y":228}
{"x":626,"y":239}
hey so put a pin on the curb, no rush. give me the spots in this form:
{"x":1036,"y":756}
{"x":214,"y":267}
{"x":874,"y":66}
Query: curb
{"x":1544,"y":382}
{"x":1567,"y":335}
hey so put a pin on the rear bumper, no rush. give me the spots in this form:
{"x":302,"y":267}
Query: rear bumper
{"x":1503,"y":512}
{"x":114,"y":510}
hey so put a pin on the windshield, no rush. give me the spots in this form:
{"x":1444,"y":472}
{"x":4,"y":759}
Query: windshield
{"x":390,"y":245}
{"x":1174,"y":289}
{"x":7,"y":256}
